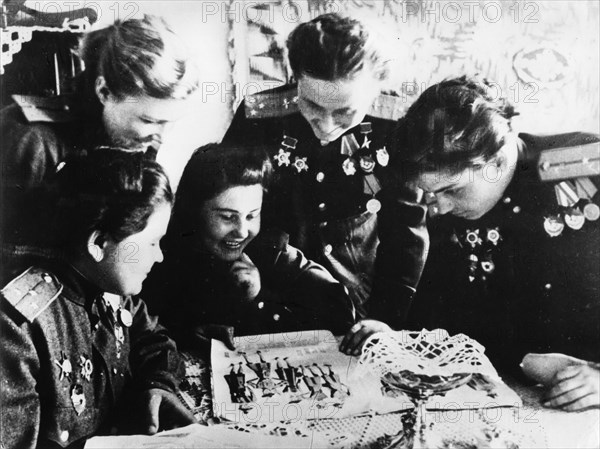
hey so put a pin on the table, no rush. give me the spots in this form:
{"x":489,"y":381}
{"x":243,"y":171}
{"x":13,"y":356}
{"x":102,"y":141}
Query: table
{"x":529,"y":425}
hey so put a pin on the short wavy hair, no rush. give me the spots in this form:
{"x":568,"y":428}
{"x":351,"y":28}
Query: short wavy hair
{"x":455,"y":124}
{"x":107,"y":190}
{"x":137,"y":57}
{"x":332,"y":47}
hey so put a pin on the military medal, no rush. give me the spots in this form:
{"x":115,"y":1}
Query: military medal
{"x":65,"y":366}
{"x":300,"y":164}
{"x":554,"y":225}
{"x":349,"y":167}
{"x":287,"y":145}
{"x":283,"y":158}
{"x":78,"y":398}
{"x":86,"y":367}
{"x":472,"y":238}
{"x":367,"y":164}
{"x":365,"y":128}
{"x":591,"y":211}
{"x":488,"y":266}
{"x":473,"y":259}
{"x":125,"y":317}
{"x":574,"y":219}
{"x":349,"y":145}
{"x":493,"y":236}
{"x":373,"y":205}
{"x":383,"y":157}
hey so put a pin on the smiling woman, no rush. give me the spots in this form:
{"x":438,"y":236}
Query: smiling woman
{"x":222,"y":275}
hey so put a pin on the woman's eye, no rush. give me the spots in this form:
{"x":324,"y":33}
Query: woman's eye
{"x":228,"y":217}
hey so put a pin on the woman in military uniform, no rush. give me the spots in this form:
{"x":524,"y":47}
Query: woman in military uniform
{"x":136,"y":79}
{"x":514,"y":233}
{"x":222,"y":275}
{"x":77,"y":348}
{"x":331,"y":194}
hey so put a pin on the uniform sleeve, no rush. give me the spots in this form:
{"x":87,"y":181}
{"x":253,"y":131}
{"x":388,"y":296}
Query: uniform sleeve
{"x":19,"y":369}
{"x":154,"y":360}
{"x":312,"y":292}
{"x":29,"y":150}
{"x":401,"y":254}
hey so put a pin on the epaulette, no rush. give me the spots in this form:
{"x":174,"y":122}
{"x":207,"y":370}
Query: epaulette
{"x":32,"y":292}
{"x":46,"y":109}
{"x":272,"y":104}
{"x":569,"y":162}
{"x":388,"y":107}
{"x":282,"y":103}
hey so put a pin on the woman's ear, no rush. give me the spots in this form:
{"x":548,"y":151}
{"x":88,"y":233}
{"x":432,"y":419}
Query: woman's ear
{"x":95,"y":246}
{"x":102,"y":91}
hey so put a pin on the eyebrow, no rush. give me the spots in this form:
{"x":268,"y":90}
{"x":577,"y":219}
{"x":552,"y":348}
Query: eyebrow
{"x":448,"y":187}
{"x":153,"y":119}
{"x":225,"y":209}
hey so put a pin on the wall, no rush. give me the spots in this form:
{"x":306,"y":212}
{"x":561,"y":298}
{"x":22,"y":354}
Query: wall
{"x":544,"y":55}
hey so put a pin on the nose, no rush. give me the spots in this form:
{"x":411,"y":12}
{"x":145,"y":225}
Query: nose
{"x":241,"y":229}
{"x":443,"y":205}
{"x":159,"y":256}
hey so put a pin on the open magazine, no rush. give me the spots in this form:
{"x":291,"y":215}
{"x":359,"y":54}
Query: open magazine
{"x":303,"y":375}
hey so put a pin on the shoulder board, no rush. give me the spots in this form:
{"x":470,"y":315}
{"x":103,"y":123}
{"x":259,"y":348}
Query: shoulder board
{"x":387,"y":107}
{"x":45,"y":109}
{"x":272,"y":104}
{"x":569,"y":162}
{"x":32,"y":292}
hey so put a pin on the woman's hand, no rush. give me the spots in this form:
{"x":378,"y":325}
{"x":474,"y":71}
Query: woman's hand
{"x":357,"y":335}
{"x":246,"y":277}
{"x":574,"y":388}
{"x":163,"y":410}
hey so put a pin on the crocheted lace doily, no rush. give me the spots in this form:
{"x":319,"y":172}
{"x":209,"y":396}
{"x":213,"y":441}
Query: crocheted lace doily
{"x":427,"y":353}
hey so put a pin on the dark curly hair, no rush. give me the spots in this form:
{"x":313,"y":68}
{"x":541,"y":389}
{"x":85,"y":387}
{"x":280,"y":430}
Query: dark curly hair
{"x":455,"y":124}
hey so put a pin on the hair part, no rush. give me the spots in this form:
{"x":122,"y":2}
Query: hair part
{"x":456,"y":124}
{"x":332,"y":47}
{"x":111,"y":191}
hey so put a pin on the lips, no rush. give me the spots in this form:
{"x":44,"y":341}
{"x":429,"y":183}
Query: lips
{"x":233,"y":245}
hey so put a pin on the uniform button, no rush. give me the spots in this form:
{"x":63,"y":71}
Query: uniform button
{"x":323,"y":224}
{"x":548,"y":286}
{"x":47,"y":278}
{"x":506,"y":200}
{"x":327,"y":249}
{"x":516,"y":209}
{"x":96,"y":326}
{"x":260,"y":305}
{"x":64,"y":436}
{"x":320,"y":176}
{"x":322,"y":207}
{"x":276,"y":317}
{"x":115,"y":371}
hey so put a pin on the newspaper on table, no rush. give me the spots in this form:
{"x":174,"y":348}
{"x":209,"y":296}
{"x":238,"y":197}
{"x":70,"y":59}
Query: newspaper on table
{"x":303,"y":376}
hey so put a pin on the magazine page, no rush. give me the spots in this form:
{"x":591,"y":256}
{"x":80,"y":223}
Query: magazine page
{"x":292,"y":376}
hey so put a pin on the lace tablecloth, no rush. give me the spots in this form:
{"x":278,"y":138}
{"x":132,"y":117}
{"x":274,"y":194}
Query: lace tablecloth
{"x":529,"y":425}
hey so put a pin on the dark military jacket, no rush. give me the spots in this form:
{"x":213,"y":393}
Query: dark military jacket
{"x":68,"y":358}
{"x":191,"y":289}
{"x":526,"y":276}
{"x":339,"y":203}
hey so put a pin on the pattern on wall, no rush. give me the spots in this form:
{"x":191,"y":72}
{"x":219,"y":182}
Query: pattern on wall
{"x":542,"y":55}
